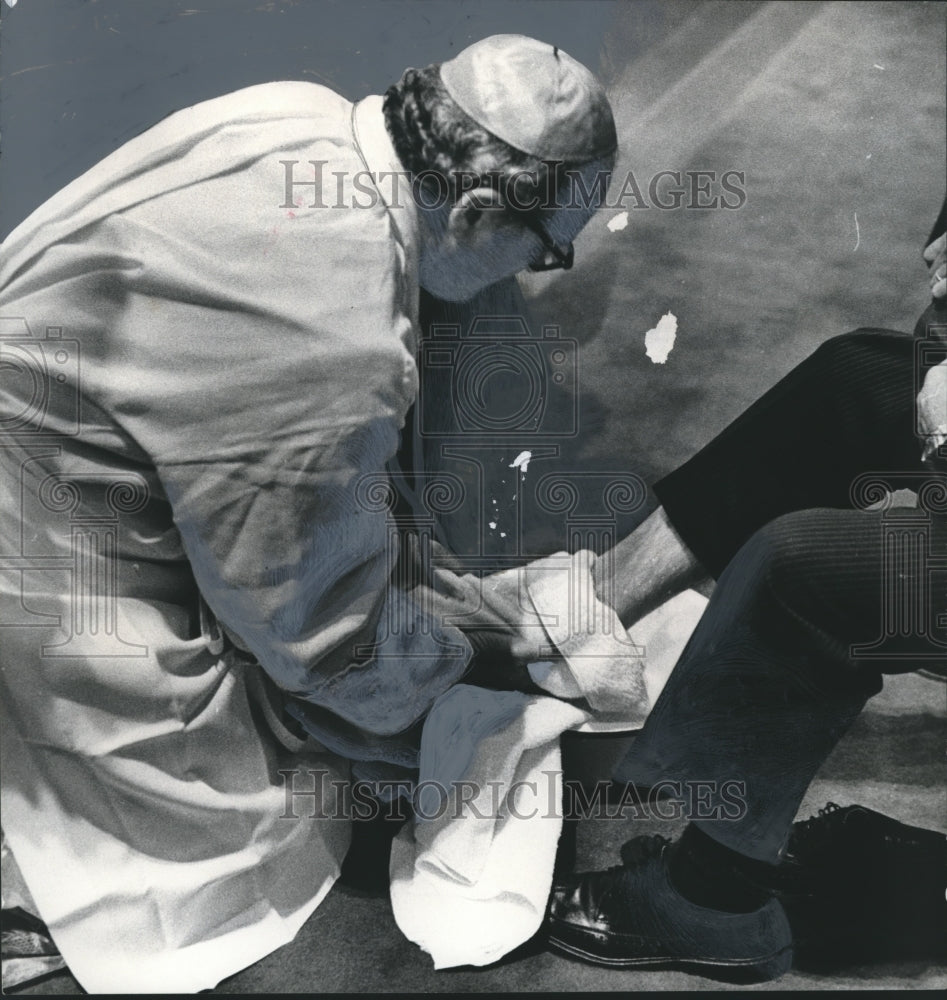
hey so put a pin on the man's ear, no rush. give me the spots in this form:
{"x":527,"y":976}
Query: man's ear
{"x":475,"y":213}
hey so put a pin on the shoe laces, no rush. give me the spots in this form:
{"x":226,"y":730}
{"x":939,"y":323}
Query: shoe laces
{"x":829,"y":816}
{"x":641,"y":849}
{"x":606,"y":883}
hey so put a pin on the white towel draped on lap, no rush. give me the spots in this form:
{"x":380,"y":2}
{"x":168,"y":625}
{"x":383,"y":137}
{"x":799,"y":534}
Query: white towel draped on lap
{"x":470,"y":876}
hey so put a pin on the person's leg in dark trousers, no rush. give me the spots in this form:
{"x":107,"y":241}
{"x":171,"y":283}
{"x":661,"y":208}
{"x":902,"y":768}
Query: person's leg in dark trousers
{"x":847,"y":409}
{"x":783,"y":661}
{"x":773,"y":653}
{"x":771,"y":678}
{"x":773,"y":675}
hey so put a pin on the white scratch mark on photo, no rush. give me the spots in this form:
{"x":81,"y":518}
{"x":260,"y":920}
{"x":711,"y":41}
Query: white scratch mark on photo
{"x":659,"y":341}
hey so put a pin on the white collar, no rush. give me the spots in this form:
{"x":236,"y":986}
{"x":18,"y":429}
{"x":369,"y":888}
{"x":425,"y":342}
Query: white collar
{"x":374,"y":145}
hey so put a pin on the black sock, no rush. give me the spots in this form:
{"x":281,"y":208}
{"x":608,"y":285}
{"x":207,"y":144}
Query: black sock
{"x":711,"y":875}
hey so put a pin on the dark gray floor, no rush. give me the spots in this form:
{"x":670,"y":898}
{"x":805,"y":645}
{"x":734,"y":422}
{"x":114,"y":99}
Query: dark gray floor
{"x":891,"y":760}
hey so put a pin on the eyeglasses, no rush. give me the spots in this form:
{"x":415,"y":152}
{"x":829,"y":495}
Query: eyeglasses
{"x":554,"y":257}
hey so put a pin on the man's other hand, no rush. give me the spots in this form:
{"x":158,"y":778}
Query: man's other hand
{"x":932,"y":409}
{"x":936,"y":257}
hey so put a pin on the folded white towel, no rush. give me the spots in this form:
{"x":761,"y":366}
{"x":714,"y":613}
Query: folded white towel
{"x":470,"y":883}
{"x":600,"y":661}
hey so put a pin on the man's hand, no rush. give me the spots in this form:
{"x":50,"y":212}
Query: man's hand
{"x":936,"y":257}
{"x":932,"y":408}
{"x":493,"y":612}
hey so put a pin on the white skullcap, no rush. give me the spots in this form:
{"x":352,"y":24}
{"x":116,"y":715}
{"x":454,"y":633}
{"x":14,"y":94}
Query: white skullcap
{"x":533,"y":96}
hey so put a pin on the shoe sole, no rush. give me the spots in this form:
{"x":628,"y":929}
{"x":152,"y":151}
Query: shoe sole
{"x":737,"y":970}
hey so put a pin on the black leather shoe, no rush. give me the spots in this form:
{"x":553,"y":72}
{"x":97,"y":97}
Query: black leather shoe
{"x":632,"y":917}
{"x":859,"y":887}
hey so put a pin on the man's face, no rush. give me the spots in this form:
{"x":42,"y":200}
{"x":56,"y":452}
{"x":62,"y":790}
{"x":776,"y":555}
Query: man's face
{"x":484,"y":242}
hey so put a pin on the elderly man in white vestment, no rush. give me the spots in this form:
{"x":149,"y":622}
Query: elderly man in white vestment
{"x":202,"y":358}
